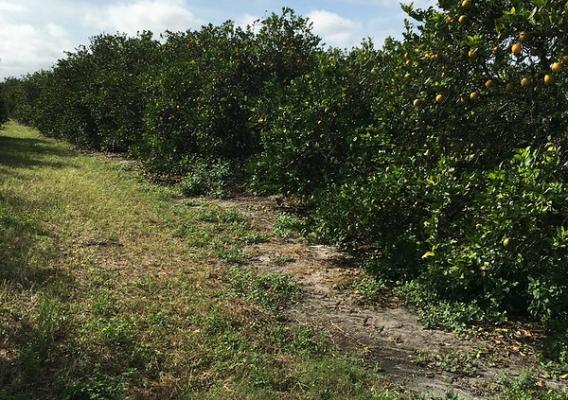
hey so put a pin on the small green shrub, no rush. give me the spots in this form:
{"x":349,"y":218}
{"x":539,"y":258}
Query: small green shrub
{"x":434,"y":312}
{"x":287,"y":226}
{"x":213,"y":179}
{"x":369,"y":290}
{"x":555,"y":349}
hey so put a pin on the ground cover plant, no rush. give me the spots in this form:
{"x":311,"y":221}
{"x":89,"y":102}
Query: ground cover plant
{"x":440,"y":158}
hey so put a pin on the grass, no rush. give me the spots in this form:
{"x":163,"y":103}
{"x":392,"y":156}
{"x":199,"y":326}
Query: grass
{"x":287,"y":226}
{"x":273,"y":291}
{"x":115,"y":288}
{"x":111,"y":288}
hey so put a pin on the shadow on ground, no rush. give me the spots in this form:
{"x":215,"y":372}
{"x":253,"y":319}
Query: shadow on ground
{"x":31,"y":153}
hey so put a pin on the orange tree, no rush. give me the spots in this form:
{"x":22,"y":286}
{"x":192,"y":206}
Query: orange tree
{"x":204,"y":99}
{"x":118,"y":65}
{"x":462,"y":174}
{"x":484,"y":79}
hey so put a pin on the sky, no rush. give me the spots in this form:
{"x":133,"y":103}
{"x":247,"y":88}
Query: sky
{"x":36,"y":33}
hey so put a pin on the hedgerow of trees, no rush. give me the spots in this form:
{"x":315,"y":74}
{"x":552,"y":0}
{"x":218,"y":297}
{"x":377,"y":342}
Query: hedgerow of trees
{"x":441,"y":157}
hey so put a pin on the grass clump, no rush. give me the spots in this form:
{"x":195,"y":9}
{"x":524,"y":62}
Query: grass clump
{"x":272,"y":291}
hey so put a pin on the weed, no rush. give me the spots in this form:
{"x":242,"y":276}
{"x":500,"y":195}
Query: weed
{"x":281,"y":260}
{"x":208,"y":178}
{"x":369,"y":290}
{"x":287,"y":226}
{"x":232,"y":255}
{"x":47,"y":328}
{"x":272,"y":291}
{"x":214,"y":214}
{"x":304,"y":340}
{"x":436,"y":313}
{"x":104,"y":305}
{"x":527,"y":387}
{"x":457,"y":362}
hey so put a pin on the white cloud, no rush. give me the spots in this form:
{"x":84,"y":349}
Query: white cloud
{"x":26,"y":47}
{"x":34,"y":33}
{"x":132,"y":17}
{"x":247,"y":20}
{"x":6,"y":7}
{"x":335,"y":29}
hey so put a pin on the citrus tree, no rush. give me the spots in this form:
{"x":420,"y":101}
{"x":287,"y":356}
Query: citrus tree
{"x":463,"y":184}
{"x":483,"y":78}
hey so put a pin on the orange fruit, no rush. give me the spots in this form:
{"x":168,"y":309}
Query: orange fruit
{"x":449,"y":20}
{"x":472,"y":53}
{"x":462,"y":19}
{"x":440,"y":98}
{"x":523,"y":36}
{"x":556,"y":67}
{"x":525,"y":82}
{"x":416,"y":103}
{"x":407,"y":77}
{"x":466,"y":3}
{"x":548,"y":79}
{"x":517,"y":49}
{"x":474,"y":96}
{"x":489,"y":83}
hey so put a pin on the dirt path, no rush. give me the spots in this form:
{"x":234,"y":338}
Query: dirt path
{"x":430,"y":362}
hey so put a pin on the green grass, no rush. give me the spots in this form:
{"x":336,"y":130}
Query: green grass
{"x":111,"y":289}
